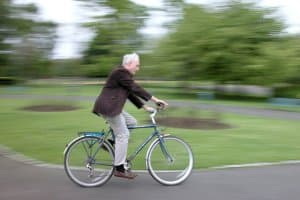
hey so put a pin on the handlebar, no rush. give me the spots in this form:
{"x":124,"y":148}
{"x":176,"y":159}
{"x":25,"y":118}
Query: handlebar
{"x":152,"y":115}
{"x":160,"y":106}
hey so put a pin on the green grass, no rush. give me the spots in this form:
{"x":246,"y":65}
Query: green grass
{"x":43,"y":136}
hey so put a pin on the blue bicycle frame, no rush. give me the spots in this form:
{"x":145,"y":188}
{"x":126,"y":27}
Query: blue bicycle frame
{"x":104,"y":135}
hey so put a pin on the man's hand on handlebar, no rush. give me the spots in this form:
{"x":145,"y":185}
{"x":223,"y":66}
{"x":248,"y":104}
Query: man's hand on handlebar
{"x":149,"y":109}
{"x":161,"y":104}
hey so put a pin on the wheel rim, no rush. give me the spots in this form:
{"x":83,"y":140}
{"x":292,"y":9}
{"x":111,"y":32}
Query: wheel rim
{"x":87,"y":164}
{"x":170,"y":172}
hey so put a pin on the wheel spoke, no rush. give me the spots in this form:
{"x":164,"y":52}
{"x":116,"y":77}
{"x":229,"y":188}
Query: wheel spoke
{"x":86,"y":165}
{"x":170,"y":162}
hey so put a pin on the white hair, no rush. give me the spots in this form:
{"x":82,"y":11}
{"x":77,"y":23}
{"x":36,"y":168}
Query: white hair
{"x":129,"y":58}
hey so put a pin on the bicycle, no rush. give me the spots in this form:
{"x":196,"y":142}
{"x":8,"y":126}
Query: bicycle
{"x":89,"y":158}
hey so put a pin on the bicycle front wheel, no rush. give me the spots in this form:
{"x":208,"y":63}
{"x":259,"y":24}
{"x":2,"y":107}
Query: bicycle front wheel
{"x":88,"y":161}
{"x":169,"y":160}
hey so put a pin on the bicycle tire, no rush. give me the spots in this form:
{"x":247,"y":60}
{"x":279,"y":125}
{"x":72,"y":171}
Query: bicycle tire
{"x":171,"y":170}
{"x":87,"y":163}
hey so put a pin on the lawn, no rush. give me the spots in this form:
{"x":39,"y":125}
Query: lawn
{"x":43,"y":135}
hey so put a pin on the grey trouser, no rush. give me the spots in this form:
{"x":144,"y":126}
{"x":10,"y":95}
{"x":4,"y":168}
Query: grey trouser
{"x":119,"y":125}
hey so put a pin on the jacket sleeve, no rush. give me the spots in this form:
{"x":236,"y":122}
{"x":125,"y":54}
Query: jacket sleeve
{"x":135,"y":100}
{"x":126,"y":81}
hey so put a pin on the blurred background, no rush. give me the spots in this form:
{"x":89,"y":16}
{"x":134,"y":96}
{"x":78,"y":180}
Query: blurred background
{"x":222,"y":42}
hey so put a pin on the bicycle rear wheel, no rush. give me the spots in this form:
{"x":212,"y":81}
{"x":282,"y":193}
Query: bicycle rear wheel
{"x":169,"y":160}
{"x":88,"y":162}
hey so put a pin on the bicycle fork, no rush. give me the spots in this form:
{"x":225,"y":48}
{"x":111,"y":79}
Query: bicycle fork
{"x":164,"y":150}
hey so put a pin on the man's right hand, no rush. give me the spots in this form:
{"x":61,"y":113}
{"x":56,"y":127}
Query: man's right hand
{"x":160,"y":103}
{"x":149,"y":109}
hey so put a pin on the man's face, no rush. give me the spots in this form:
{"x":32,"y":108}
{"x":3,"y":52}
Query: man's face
{"x":134,"y":67}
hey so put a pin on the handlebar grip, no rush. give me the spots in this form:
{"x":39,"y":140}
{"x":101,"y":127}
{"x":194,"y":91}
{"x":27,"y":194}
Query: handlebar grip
{"x":160,"y":105}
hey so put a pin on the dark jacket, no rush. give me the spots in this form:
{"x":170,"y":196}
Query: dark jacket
{"x":118,"y":87}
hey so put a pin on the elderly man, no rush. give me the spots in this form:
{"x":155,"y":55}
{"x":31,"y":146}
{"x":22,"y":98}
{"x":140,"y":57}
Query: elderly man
{"x":119,"y":87}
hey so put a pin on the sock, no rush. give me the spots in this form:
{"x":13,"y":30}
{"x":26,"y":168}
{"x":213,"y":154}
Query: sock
{"x":120,"y":168}
{"x":112,"y":142}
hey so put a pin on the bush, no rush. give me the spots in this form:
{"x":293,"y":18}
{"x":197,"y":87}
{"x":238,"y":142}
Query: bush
{"x":238,"y":97}
{"x":9,"y":80}
{"x":287,"y":91}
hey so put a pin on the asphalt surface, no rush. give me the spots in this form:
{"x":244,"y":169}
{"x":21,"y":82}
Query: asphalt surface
{"x":23,"y":181}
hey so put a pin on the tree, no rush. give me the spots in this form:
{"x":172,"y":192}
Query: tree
{"x":116,"y":34}
{"x":25,"y":44}
{"x":234,"y":43}
{"x":290,"y":50}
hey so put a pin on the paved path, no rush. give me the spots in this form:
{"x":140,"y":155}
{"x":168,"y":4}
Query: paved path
{"x":19,"y":181}
{"x":279,"y":114}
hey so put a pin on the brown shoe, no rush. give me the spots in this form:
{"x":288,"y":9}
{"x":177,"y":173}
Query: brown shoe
{"x":126,"y":174}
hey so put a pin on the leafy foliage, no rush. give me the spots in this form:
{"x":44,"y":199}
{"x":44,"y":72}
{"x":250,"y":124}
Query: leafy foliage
{"x":236,"y":43}
{"x":25,"y":44}
{"x":116,"y":34}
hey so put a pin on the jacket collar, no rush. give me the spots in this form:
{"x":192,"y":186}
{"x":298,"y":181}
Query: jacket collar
{"x":121,"y":67}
